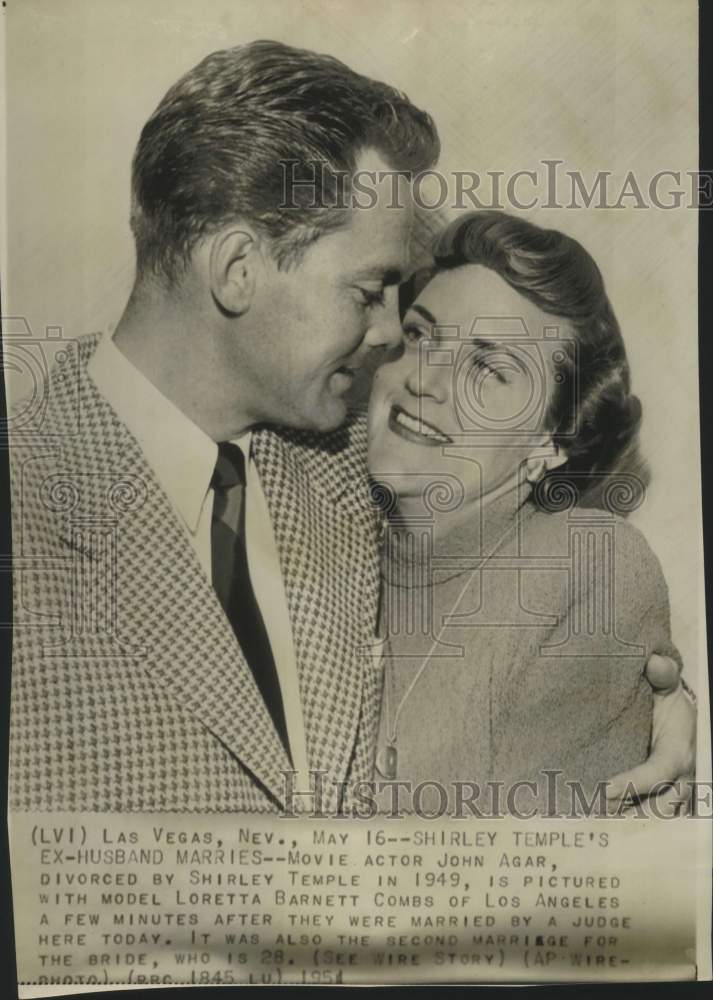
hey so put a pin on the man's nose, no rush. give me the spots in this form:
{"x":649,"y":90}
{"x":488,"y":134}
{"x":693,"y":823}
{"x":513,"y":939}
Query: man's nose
{"x":385,"y":330}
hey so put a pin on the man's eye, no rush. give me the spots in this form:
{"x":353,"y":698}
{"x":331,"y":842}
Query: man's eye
{"x":371,"y":298}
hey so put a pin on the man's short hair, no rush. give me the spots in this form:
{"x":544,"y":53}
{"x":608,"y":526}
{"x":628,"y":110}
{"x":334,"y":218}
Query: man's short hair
{"x":225,"y":137}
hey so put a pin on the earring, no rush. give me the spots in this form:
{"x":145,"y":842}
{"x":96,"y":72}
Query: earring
{"x":535,"y":469}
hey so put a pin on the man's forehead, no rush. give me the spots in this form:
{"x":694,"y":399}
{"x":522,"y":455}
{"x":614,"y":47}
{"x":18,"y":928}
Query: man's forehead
{"x":371,"y":161}
{"x":380,"y":239}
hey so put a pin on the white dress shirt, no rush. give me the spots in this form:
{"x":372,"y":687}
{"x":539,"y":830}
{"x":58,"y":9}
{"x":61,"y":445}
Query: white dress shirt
{"x":183,"y":458}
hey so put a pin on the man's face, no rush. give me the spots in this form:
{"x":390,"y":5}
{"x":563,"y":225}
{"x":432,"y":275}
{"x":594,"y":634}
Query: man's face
{"x":314,"y":325}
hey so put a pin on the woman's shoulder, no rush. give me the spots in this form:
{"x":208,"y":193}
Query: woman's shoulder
{"x":553,"y":528}
{"x":604,"y":543}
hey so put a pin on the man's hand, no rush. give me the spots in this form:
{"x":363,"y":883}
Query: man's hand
{"x":673,"y":745}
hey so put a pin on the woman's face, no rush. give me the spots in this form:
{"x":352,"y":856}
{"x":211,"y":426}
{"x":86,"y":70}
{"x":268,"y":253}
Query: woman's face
{"x":469,"y":394}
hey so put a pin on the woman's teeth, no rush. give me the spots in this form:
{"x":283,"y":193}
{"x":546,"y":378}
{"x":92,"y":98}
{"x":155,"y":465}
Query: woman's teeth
{"x":416,"y":426}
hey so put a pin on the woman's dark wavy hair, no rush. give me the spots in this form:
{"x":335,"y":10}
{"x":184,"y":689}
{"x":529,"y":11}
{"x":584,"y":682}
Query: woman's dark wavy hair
{"x":593,"y":416}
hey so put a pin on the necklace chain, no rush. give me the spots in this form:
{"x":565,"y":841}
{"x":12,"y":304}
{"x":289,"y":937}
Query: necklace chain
{"x":392,"y":730}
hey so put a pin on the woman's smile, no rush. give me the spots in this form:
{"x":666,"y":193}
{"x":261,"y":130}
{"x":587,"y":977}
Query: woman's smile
{"x":416,"y":429}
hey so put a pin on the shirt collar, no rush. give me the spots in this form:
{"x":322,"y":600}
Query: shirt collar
{"x":181,"y":455}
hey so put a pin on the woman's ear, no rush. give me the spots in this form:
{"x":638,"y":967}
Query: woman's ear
{"x":232,"y":263}
{"x":545,"y":458}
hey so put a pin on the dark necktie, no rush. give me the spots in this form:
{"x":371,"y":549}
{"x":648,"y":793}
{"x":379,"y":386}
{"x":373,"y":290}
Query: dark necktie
{"x":231,"y":579}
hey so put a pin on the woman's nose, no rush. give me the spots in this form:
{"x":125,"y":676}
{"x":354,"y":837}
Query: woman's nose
{"x":422,"y":379}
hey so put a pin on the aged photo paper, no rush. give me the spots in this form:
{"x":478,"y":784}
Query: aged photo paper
{"x":358,"y":621}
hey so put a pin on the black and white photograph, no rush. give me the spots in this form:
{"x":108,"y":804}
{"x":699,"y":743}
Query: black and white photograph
{"x":358,"y":611}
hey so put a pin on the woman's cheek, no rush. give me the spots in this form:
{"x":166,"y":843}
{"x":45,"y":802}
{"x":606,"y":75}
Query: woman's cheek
{"x":376,"y":418}
{"x":377,"y":401}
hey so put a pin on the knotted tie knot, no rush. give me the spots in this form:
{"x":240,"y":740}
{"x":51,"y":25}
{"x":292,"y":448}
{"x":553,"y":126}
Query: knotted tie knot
{"x":229,"y":467}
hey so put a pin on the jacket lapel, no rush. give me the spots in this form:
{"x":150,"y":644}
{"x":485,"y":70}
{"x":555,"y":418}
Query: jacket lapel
{"x":167,"y":607}
{"x":316,"y":490}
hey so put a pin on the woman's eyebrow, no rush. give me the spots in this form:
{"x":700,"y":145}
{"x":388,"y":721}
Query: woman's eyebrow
{"x":429,"y":317}
{"x":496,"y":345}
{"x":486,"y":345}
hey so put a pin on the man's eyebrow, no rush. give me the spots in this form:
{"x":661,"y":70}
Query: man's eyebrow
{"x":388,"y":276}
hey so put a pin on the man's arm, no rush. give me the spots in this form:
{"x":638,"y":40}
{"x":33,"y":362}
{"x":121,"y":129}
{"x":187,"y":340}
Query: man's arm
{"x":673,"y":742}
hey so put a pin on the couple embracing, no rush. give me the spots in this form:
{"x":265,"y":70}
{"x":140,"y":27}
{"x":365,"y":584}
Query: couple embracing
{"x":264,"y":615}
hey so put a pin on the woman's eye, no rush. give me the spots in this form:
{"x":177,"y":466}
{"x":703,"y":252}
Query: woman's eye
{"x":490,"y":366}
{"x":413,"y":334}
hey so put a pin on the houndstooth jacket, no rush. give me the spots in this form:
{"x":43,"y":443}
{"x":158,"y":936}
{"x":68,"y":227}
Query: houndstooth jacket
{"x":129,"y":689}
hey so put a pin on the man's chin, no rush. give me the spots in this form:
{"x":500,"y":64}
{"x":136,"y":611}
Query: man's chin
{"x":328,"y":417}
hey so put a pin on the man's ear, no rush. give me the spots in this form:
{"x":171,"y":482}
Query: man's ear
{"x":543,"y":459}
{"x":232,"y":265}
